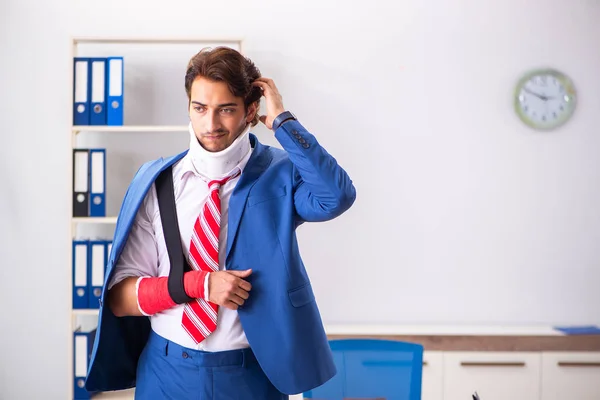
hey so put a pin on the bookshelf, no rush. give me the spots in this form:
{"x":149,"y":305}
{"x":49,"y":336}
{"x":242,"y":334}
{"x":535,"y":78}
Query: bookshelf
{"x":122,"y":129}
{"x":155,"y":109}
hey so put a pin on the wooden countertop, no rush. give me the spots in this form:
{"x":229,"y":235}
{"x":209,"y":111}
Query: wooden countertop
{"x":472,"y":338}
{"x":492,"y":343}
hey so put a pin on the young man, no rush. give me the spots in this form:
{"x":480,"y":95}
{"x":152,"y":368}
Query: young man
{"x":247,"y":326}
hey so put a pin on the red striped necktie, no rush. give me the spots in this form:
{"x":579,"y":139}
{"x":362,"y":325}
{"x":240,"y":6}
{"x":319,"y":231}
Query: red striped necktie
{"x":200,"y":316}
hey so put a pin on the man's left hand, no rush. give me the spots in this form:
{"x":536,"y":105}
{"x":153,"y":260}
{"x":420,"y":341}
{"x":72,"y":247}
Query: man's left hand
{"x":274,"y":101}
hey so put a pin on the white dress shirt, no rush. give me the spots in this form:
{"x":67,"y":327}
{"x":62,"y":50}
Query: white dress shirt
{"x":145,"y":252}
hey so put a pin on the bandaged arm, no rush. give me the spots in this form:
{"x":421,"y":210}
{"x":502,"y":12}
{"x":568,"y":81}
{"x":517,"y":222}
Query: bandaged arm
{"x":135,"y":288}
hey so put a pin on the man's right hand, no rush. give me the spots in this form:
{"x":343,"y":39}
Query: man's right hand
{"x":228,"y":288}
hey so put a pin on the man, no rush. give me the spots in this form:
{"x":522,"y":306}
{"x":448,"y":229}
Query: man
{"x":251,"y":328}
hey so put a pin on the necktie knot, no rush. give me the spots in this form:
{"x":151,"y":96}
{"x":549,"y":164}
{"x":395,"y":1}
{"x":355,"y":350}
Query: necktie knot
{"x":217,"y":183}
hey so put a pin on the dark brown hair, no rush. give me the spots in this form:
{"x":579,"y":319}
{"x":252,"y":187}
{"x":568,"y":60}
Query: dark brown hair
{"x":224,"y":64}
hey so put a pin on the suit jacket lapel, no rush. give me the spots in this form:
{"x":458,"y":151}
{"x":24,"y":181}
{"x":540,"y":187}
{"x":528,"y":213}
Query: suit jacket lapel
{"x":258,"y":162}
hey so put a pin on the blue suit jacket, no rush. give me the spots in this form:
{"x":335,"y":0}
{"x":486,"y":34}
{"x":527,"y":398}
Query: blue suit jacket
{"x":277,"y":191}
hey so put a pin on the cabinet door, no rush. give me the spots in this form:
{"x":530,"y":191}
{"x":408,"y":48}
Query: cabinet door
{"x":493,"y":375}
{"x":433,"y":380}
{"x":571,"y":375}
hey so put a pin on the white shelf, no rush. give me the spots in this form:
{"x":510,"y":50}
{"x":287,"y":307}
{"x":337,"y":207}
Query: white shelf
{"x":94,"y":220}
{"x":85,"y":311}
{"x":129,"y":128}
{"x":155,"y":40}
{"x":116,"y":395}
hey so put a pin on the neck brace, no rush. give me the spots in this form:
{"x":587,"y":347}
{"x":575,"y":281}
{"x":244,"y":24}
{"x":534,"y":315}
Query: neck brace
{"x":215,"y":165}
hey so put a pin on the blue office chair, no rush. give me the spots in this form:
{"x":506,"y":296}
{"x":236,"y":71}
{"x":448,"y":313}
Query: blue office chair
{"x":373,"y":368}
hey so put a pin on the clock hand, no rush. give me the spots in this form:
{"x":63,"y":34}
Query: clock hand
{"x":540,"y":96}
{"x":525,"y":88}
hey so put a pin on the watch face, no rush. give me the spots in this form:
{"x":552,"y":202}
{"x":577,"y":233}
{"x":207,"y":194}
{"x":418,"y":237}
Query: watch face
{"x":545,"y":99}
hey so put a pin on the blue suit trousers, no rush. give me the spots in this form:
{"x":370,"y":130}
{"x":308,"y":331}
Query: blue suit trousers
{"x":167,"y":370}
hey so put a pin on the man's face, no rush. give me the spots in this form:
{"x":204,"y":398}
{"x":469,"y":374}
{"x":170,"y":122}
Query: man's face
{"x":218,"y":117}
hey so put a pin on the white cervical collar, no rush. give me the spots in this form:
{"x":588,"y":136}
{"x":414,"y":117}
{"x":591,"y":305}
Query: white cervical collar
{"x":215,"y":165}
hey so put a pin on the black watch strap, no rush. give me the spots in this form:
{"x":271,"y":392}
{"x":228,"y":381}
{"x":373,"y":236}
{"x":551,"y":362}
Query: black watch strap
{"x":284,"y":116}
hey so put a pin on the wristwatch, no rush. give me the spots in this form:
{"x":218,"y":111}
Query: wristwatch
{"x":281,"y":118}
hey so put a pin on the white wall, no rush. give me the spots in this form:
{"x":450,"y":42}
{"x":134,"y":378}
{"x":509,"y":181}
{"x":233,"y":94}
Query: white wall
{"x":475,"y":218}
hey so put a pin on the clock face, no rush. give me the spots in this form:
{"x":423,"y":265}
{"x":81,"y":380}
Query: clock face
{"x":545,"y":99}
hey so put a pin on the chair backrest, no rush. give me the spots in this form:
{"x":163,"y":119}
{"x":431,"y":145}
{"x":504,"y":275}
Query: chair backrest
{"x":373,"y":368}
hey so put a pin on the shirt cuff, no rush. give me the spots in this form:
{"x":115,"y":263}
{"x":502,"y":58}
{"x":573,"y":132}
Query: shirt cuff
{"x":206,"y":286}
{"x":137,"y":286}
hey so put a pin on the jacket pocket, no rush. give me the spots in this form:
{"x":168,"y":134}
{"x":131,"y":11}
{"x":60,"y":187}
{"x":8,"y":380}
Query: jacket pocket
{"x":301,"y":295}
{"x":271,"y":193}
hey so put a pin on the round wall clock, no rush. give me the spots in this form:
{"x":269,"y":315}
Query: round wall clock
{"x":545,"y":99}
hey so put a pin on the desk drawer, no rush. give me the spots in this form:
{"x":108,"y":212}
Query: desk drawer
{"x":493,"y":375}
{"x":571,"y":375}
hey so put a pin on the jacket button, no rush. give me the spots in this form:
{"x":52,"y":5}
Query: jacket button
{"x":185,"y":355}
{"x":306,"y":145}
{"x":301,"y":140}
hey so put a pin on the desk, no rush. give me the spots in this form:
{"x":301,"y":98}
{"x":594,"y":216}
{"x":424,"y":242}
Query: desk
{"x":517,"y":362}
